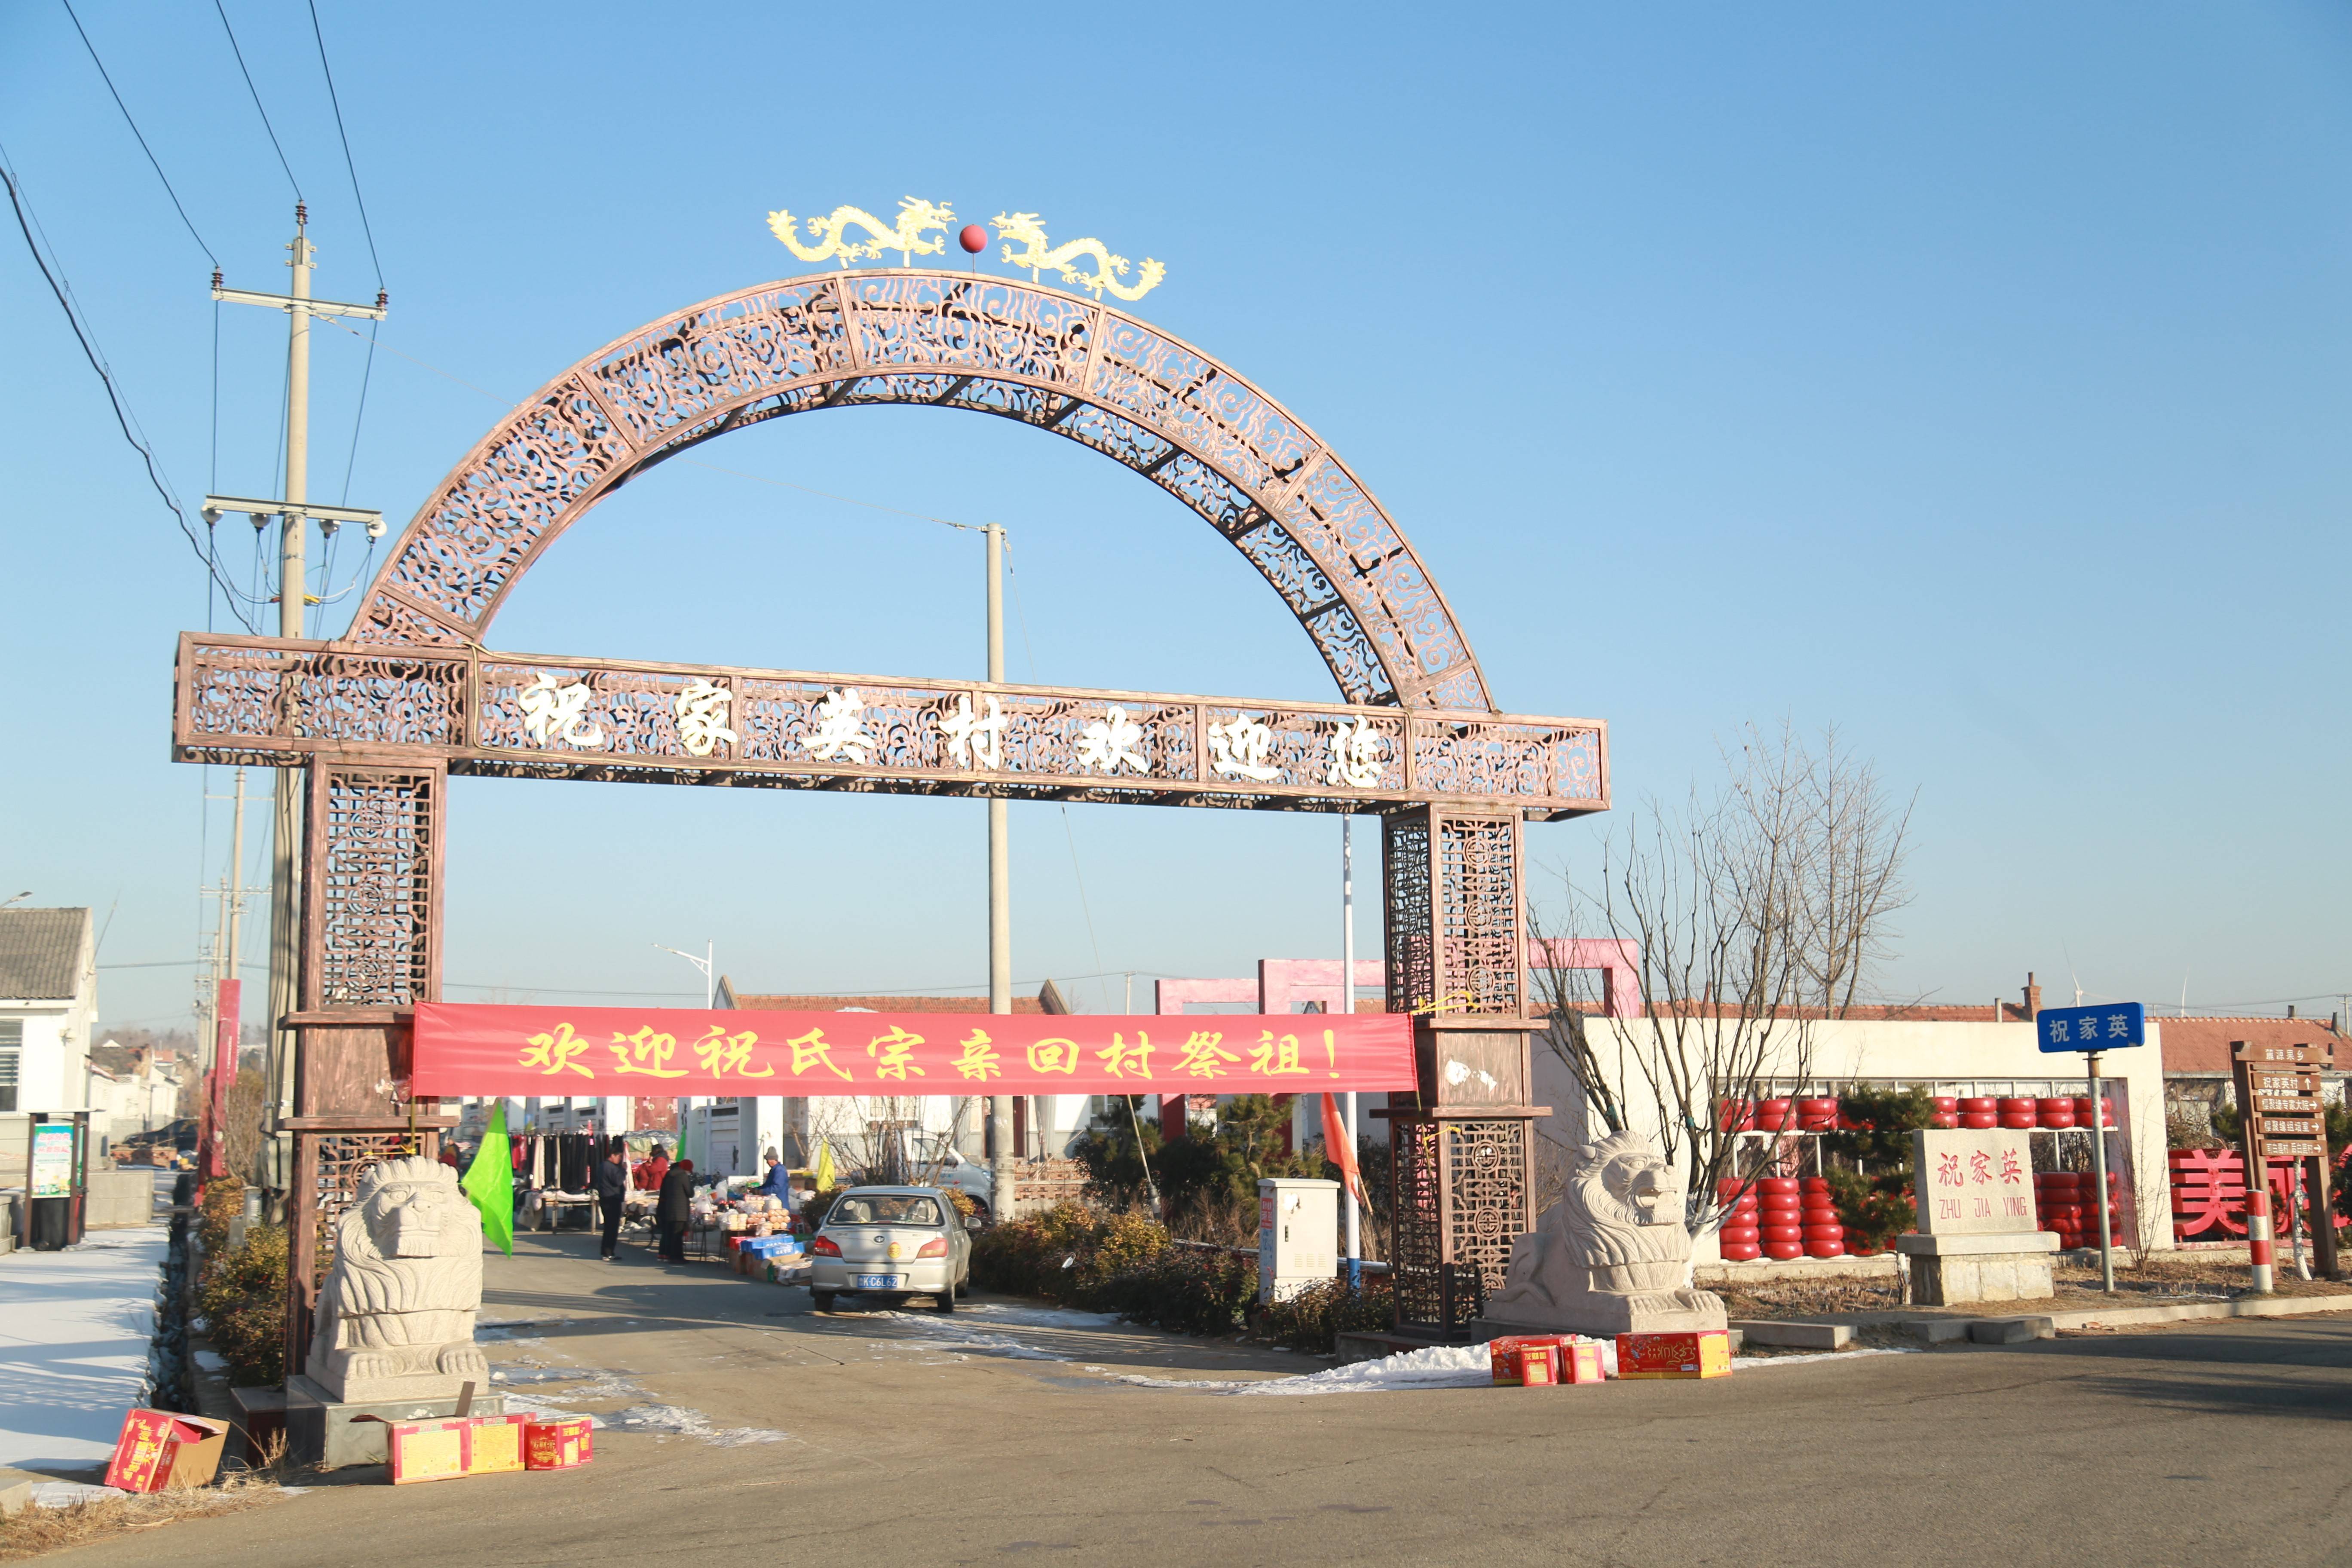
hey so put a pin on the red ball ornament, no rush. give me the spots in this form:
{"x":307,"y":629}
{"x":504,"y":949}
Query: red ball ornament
{"x":974,"y":239}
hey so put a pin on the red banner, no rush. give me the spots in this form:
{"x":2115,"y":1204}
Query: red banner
{"x":229,"y":1012}
{"x":465,"y":1048}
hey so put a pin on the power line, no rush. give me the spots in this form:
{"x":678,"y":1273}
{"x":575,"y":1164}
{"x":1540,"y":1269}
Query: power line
{"x":141,"y":140}
{"x":270,"y":130}
{"x":113,"y":398}
{"x":348,"y":167}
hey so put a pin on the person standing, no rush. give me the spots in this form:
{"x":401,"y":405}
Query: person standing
{"x":611,"y":1184}
{"x":779,"y":1183}
{"x":674,"y":1210}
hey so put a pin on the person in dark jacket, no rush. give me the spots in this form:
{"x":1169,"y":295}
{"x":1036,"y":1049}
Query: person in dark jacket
{"x":611,"y":1184}
{"x":675,"y":1209}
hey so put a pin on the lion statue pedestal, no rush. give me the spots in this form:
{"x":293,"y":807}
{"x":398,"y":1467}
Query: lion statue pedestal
{"x":1613,"y":1257}
{"x":396,"y":1313}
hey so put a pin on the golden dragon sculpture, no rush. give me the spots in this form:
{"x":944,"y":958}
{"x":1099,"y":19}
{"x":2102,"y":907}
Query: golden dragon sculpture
{"x":1028,"y":231}
{"x":832,"y":243}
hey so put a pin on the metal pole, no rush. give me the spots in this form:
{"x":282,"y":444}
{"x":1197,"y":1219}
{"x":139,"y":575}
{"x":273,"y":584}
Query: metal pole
{"x":999,"y":901}
{"x":286,"y":818}
{"x":2099,"y":1180}
{"x":1347,"y":1004}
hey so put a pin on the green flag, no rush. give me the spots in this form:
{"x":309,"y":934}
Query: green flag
{"x":490,"y":1181}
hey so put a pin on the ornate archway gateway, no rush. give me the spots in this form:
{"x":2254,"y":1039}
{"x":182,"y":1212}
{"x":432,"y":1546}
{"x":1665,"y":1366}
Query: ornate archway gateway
{"x":377,"y":722}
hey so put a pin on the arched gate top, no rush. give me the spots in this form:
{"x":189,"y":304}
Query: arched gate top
{"x":1063,"y":363}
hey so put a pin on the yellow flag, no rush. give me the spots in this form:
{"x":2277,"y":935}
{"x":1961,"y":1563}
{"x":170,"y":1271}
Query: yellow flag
{"x":824,"y":1164}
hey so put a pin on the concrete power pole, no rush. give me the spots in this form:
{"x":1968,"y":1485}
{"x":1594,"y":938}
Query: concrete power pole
{"x":1000,"y":902}
{"x":294,"y":512}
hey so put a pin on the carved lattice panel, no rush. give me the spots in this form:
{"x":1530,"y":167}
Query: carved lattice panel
{"x":1485,"y":1203}
{"x":1411,"y":947}
{"x":343,"y":1159}
{"x":375,"y":857}
{"x":1158,"y":405}
{"x":1417,"y":1250}
{"x":1479,"y":913}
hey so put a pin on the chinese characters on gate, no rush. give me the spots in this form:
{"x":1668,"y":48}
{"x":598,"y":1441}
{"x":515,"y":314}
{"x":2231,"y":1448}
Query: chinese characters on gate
{"x":1974,"y":1182}
{"x":841,"y":729}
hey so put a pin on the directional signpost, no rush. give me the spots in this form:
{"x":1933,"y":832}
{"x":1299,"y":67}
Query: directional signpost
{"x":2094,"y":1030}
{"x":2283,"y":1118}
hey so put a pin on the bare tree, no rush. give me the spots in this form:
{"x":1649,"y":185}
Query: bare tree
{"x":1759,"y":908}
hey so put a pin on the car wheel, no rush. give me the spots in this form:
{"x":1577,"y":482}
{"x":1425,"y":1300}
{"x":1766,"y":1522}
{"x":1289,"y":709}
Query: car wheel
{"x":823,"y":1299}
{"x":947,"y":1299}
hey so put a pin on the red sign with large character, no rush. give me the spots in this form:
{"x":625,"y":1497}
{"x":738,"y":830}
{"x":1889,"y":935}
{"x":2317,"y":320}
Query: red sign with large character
{"x":467,"y":1048}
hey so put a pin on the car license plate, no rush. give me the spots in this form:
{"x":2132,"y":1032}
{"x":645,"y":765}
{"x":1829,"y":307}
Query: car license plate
{"x":874,"y":1281}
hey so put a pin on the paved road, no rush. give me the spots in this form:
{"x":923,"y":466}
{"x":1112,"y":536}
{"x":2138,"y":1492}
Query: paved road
{"x":74,"y":1332}
{"x":984,"y":1440}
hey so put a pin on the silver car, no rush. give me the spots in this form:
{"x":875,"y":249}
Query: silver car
{"x":893,"y":1242}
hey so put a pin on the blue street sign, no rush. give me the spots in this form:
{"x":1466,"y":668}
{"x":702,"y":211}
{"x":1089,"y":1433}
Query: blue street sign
{"x":2106,"y":1028}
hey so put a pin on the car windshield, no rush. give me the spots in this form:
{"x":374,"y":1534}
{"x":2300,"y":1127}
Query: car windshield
{"x":886,"y":1209}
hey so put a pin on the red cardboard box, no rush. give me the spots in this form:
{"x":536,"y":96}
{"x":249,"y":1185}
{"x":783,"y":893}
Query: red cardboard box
{"x":159,"y":1449}
{"x":430,"y":1450}
{"x":496,"y":1445}
{"x":1702,"y":1354}
{"x":1536,"y":1365}
{"x":564,"y":1444}
{"x":1581,"y":1362}
{"x":1506,"y":1356}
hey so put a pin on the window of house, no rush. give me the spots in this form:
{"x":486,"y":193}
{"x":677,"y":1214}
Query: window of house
{"x":12,"y":1050}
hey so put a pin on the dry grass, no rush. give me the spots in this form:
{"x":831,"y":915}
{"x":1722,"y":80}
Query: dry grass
{"x":2191,"y":1273}
{"x":1805,"y":1298}
{"x":37,"y":1531}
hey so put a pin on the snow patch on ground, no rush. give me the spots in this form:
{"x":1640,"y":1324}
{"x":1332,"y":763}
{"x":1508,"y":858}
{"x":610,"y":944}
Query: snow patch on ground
{"x":1438,"y":1366}
{"x":946,"y":1333}
{"x":1040,"y":1317}
{"x":74,"y":1328}
{"x":681,"y":1422}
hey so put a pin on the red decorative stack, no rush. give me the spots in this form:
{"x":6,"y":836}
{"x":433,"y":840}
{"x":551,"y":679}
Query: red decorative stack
{"x":2063,"y":1203}
{"x":2058,"y":1206}
{"x":1819,"y":1115}
{"x":1824,"y":1235}
{"x":1741,"y":1237}
{"x":2016,"y":1111}
{"x":2086,"y":1114}
{"x":1736,"y":1115}
{"x":2054,"y":1113}
{"x":1772,"y":1115}
{"x":1780,"y":1214}
{"x":1948,"y":1111}
{"x":1979,"y":1112}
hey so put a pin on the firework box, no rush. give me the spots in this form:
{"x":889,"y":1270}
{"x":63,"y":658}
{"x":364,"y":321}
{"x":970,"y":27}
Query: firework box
{"x":1702,"y":1354}
{"x":1579,"y":1362}
{"x":428,"y":1450}
{"x":1506,"y":1356}
{"x":1535,"y":1365}
{"x":157,"y":1448}
{"x":496,"y":1445}
{"x":564,"y":1444}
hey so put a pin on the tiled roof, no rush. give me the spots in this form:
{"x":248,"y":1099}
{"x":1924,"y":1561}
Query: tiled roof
{"x":40,"y":953}
{"x":2202,"y":1045}
{"x":879,"y":1004}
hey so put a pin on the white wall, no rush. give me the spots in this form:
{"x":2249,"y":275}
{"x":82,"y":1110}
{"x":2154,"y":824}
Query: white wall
{"x":1946,"y":1058}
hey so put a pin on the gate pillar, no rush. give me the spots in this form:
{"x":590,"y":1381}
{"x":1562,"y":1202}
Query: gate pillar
{"x":371,"y":952}
{"x":1461,"y":1177}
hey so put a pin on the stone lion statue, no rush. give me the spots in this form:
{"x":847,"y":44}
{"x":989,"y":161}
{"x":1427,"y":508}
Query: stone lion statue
{"x":396,"y":1314}
{"x":1613,"y":1257}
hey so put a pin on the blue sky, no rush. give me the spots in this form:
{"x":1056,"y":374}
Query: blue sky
{"x":1972,"y":378}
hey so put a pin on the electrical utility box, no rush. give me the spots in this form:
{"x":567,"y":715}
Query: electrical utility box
{"x":1297,"y":1236}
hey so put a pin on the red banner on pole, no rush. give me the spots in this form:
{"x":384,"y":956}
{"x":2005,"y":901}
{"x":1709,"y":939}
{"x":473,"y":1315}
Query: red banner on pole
{"x":467,"y":1048}
{"x":230,"y":1005}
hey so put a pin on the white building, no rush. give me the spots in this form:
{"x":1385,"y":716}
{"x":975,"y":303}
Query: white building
{"x":1959,"y":1058}
{"x":48,"y":1007}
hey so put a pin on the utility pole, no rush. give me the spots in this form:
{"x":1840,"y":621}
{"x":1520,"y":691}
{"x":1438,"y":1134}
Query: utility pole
{"x":294,"y":512}
{"x":1347,"y":1004}
{"x":1000,"y":902}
